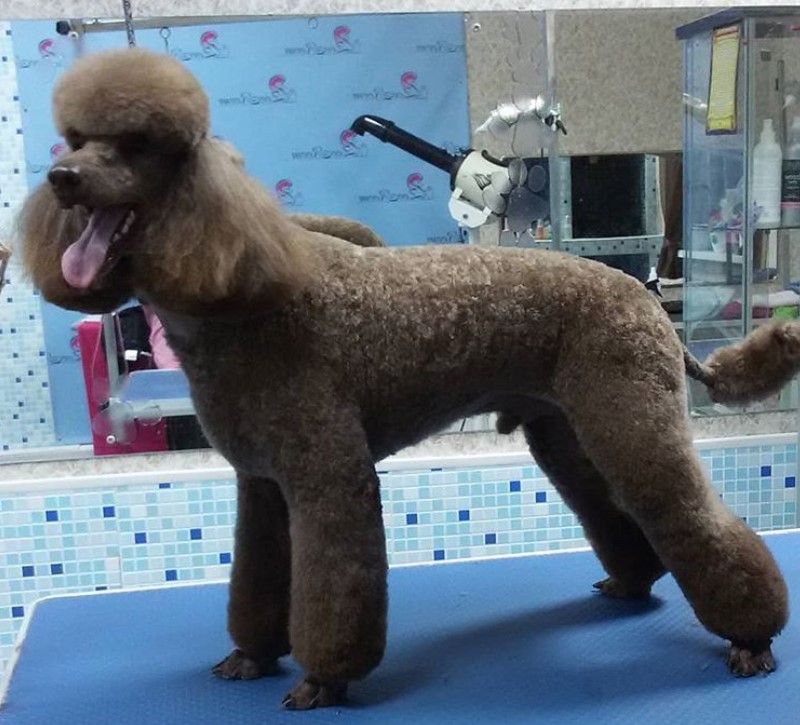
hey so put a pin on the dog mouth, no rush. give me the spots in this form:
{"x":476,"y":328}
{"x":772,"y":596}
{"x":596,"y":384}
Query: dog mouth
{"x":83,"y":260}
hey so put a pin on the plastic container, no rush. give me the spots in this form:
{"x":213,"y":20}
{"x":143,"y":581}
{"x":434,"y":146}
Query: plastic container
{"x":790,"y":178}
{"x":767,"y":175}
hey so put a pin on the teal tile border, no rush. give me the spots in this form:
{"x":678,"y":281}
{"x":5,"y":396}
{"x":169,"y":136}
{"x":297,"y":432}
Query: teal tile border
{"x":159,"y":533}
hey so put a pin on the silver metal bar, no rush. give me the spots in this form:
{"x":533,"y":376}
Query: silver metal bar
{"x":109,"y":333}
{"x":98,"y":25}
{"x":595,"y":247}
{"x":653,"y":221}
{"x":747,"y":65}
{"x":554,"y":165}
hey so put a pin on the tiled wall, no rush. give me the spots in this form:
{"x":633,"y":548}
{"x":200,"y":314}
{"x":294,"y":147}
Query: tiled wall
{"x":166,"y":532}
{"x":25,"y":412}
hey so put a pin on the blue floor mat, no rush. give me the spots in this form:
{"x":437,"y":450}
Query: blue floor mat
{"x":519,"y":640}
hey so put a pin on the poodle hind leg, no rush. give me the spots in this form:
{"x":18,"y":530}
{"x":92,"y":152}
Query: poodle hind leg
{"x":620,"y":545}
{"x":339,"y":567}
{"x":258,"y":606}
{"x":635,"y":430}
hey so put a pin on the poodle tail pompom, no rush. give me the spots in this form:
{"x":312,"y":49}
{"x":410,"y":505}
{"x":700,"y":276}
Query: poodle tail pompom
{"x":742,"y":373}
{"x":752,"y":369}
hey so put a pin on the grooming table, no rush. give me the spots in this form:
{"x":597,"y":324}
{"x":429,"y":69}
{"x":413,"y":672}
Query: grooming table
{"x":166,"y":389}
{"x":521,"y":640}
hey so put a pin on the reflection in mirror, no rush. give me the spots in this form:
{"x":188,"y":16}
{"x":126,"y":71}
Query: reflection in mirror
{"x":284,"y":93}
{"x":429,"y":128}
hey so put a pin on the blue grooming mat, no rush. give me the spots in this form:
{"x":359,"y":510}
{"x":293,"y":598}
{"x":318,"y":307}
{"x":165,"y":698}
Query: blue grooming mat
{"x":520,"y":640}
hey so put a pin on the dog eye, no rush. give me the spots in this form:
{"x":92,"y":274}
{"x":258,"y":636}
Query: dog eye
{"x":134,"y":143}
{"x":75,"y":140}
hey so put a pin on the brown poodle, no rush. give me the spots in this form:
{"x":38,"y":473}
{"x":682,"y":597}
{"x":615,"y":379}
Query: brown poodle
{"x":310,"y":359}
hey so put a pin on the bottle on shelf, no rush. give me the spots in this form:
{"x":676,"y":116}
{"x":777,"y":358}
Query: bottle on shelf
{"x":790,"y":178}
{"x":767,"y":172}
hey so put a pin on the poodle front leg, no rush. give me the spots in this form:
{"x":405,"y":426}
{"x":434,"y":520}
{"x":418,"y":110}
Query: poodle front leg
{"x":338,"y":600}
{"x":258,"y":608}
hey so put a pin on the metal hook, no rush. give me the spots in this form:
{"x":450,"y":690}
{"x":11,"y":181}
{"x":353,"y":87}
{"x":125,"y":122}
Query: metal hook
{"x":165,"y":34}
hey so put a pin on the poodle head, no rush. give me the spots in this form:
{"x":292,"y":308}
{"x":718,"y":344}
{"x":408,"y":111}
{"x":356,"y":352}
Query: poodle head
{"x":132,"y":120}
{"x":145,"y":203}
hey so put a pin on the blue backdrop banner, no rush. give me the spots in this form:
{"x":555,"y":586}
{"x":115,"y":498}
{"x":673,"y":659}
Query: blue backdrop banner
{"x":284,"y":92}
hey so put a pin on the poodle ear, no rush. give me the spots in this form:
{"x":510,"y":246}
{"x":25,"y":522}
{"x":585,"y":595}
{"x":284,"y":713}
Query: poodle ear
{"x":221,"y":244}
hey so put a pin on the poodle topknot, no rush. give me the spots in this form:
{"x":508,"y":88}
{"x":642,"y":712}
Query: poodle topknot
{"x":130,"y":91}
{"x":312,"y":352}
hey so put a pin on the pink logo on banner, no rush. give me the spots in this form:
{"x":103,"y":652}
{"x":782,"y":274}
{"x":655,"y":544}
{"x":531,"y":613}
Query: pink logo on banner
{"x":278,"y":91}
{"x":351,"y":145}
{"x":415,"y":190}
{"x":410,"y":89}
{"x":210,"y":48}
{"x":47,"y":48}
{"x":408,"y":82}
{"x":47,"y":57}
{"x":341,"y":38}
{"x":277,"y":83}
{"x":39,"y":168}
{"x":343,"y":43}
{"x":414,"y":184}
{"x":286,"y":193}
{"x":208,"y":41}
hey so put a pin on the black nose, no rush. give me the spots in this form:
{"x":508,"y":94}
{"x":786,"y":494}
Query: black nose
{"x":64,"y":178}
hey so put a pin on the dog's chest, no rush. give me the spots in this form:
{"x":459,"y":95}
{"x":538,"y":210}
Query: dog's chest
{"x":230,"y":385}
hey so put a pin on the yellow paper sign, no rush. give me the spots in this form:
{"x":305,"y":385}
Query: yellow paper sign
{"x":721,"y":116}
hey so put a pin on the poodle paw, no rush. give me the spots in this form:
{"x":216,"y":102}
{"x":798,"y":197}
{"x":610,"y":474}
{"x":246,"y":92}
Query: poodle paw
{"x":616,"y":589}
{"x":309,"y":694}
{"x":749,"y":660}
{"x":237,"y":666}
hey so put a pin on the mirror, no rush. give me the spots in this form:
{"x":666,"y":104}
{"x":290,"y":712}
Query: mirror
{"x":285,"y":92}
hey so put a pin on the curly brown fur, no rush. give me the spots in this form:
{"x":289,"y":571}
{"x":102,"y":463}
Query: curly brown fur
{"x":5,"y":255}
{"x":342,"y":354}
{"x":757,"y":366}
{"x":620,"y":545}
{"x":340,"y":227}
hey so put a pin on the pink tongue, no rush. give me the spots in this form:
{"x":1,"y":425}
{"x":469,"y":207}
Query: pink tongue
{"x":82,"y":261}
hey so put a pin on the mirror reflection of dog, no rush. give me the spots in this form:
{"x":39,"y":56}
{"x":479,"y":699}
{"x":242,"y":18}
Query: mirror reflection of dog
{"x":5,"y":255}
{"x":310,"y":358}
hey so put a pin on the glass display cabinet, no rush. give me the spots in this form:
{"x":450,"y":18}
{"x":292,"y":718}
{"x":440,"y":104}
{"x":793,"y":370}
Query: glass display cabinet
{"x":741,"y":206}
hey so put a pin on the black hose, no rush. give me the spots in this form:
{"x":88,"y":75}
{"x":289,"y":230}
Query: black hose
{"x":389,"y":132}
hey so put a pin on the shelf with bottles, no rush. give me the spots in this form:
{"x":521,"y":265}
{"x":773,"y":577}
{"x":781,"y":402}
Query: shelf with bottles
{"x":776,"y":177}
